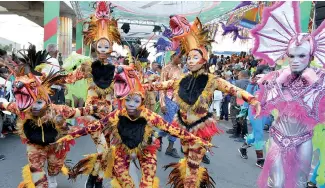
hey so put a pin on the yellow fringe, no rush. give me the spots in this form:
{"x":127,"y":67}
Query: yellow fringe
{"x":65,"y":170}
{"x":90,"y":165}
{"x":27,"y":178}
{"x":110,"y":163}
{"x":115,"y":183}
{"x":156,"y":182}
{"x":182,"y":168}
{"x":199,"y":176}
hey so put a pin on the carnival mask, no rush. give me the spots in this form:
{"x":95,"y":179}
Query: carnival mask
{"x":195,"y":60}
{"x":25,"y":91}
{"x":103,"y":48}
{"x":179,"y":25}
{"x":126,"y":81}
{"x":299,"y":57}
{"x":132,"y":104}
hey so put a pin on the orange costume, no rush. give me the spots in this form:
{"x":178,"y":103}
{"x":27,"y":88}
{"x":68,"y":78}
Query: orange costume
{"x":102,"y":32}
{"x":129,"y":135}
{"x":193,"y":93}
{"x":40,"y":122}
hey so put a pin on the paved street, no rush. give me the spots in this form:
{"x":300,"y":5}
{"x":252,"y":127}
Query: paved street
{"x":226,"y":168}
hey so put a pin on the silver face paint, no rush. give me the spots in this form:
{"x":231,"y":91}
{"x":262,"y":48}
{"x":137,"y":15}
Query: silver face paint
{"x":299,"y":57}
{"x":132,"y":103}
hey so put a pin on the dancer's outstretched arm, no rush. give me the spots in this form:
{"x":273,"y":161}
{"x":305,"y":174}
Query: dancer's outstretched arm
{"x":93,"y":127}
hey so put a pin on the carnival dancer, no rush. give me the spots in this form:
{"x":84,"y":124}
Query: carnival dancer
{"x":130,"y":132}
{"x":102,"y":32}
{"x":256,"y":138}
{"x":168,"y":107}
{"x":296,"y":92}
{"x":40,"y":122}
{"x":193,"y":93}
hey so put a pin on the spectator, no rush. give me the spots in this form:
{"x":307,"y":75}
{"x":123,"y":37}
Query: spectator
{"x":60,"y":60}
{"x":54,"y":66}
{"x":215,"y":106}
{"x":212,"y":60}
{"x":226,"y":99}
{"x":241,"y":129}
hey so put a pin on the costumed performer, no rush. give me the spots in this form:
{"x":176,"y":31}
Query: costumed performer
{"x":297,"y":92}
{"x":102,"y":32}
{"x":256,"y":138}
{"x":39,"y":121}
{"x":193,"y":93}
{"x":129,"y":130}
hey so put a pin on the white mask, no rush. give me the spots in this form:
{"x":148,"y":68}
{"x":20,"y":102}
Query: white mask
{"x":299,"y":56}
{"x":103,"y":46}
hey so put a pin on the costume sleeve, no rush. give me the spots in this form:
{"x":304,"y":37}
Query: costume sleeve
{"x":97,"y":126}
{"x":158,"y":86}
{"x":9,"y":106}
{"x":226,"y":87}
{"x":76,"y":75}
{"x":69,"y":112}
{"x":163,"y":125}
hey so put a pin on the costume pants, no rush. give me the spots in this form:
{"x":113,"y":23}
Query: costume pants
{"x":37,"y":156}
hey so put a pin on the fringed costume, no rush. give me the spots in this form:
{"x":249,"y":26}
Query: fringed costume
{"x":102,"y":33}
{"x":297,"y":92}
{"x":193,"y":93}
{"x":129,"y":131}
{"x":40,"y":122}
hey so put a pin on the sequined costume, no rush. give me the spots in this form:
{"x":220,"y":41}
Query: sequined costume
{"x":193,"y":93}
{"x":297,"y":93}
{"x":38,"y":131}
{"x":129,"y":137}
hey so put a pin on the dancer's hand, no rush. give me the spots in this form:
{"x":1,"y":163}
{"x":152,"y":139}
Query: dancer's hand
{"x":64,"y":139}
{"x":163,"y":109}
{"x":257,"y":107}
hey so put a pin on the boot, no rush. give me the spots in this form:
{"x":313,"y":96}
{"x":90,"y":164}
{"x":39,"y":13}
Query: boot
{"x":243,"y":150}
{"x":99,"y":184}
{"x":91,"y":181}
{"x":311,"y":185}
{"x":171,"y":151}
{"x":260,"y":158}
{"x":160,"y":146}
{"x":52,"y":182}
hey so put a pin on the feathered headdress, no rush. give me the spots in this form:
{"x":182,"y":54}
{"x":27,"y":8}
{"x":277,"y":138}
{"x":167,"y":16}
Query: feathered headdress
{"x":280,"y":28}
{"x":188,"y":36}
{"x":101,"y":25}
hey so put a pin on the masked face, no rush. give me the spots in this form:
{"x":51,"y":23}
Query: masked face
{"x":38,"y":108}
{"x":299,"y":57}
{"x":195,"y":61}
{"x":103,"y":48}
{"x":132,"y":103}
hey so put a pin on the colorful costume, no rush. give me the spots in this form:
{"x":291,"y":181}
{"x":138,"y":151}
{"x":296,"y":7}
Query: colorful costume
{"x":129,"y":131}
{"x":193,"y":93}
{"x":296,"y":92}
{"x":102,"y":32}
{"x":40,"y":122}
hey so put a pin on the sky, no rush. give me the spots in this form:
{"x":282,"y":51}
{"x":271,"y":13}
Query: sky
{"x":21,"y":30}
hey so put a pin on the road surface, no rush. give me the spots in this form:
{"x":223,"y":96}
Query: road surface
{"x":226,"y":168}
